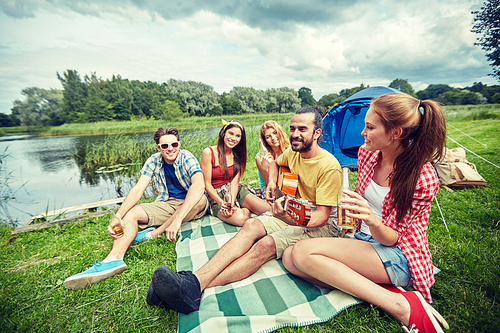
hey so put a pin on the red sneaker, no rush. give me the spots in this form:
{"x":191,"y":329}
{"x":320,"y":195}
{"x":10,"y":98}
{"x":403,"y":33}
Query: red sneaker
{"x":421,"y":318}
{"x":436,"y":314}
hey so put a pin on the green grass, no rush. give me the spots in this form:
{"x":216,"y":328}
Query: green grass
{"x":471,"y":112}
{"x":105,"y":127}
{"x":467,"y":291}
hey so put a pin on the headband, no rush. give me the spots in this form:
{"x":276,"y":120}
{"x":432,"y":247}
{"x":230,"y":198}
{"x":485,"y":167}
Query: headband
{"x":232,"y":122}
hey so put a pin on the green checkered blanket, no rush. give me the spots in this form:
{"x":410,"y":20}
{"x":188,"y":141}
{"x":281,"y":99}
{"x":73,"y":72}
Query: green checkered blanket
{"x":269,"y":299}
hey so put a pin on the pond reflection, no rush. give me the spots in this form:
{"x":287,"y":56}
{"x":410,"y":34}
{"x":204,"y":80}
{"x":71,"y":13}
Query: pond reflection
{"x":43,"y":175}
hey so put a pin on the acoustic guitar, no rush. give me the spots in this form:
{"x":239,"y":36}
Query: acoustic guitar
{"x":299,"y":210}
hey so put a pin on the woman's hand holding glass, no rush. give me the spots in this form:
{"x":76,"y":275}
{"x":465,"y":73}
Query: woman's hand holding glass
{"x":224,"y":209}
{"x":357,"y":207}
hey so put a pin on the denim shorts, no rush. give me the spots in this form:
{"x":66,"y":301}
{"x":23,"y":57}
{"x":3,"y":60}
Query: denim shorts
{"x":394,"y":261}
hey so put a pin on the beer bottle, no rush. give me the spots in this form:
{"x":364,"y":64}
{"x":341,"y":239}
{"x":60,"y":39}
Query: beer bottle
{"x":228,"y":198}
{"x":344,"y":221}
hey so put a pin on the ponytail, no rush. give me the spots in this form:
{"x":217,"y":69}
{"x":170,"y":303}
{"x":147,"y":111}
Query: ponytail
{"x":423,"y":139}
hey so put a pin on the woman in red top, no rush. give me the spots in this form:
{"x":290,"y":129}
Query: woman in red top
{"x":226,"y":163}
{"x":394,"y":190}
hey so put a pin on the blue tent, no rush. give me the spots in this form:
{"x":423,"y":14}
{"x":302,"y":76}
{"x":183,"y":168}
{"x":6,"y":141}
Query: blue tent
{"x":342,"y":125}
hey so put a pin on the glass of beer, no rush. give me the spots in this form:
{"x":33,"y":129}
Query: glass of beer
{"x":117,"y":229}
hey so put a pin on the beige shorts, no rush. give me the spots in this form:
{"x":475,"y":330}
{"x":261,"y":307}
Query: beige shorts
{"x":160,"y":211}
{"x":285,"y":235}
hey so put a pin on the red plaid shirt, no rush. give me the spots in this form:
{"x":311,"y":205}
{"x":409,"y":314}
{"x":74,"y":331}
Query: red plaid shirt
{"x":412,"y":237}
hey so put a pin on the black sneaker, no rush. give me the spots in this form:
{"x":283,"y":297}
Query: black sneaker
{"x":153,"y":299}
{"x":181,"y":290}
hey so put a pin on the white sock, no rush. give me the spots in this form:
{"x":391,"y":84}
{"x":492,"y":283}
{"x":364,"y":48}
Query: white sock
{"x":108,"y":260}
{"x":148,"y":235}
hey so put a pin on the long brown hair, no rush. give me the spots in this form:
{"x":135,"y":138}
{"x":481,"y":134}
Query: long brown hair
{"x":239,"y":151}
{"x":423,"y":139}
{"x":284,"y":142}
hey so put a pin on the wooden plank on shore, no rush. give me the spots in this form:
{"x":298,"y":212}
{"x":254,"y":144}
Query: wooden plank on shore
{"x":76,"y":208}
{"x":44,"y":225}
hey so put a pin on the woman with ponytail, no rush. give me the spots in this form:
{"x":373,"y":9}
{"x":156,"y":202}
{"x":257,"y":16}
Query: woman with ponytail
{"x":226,"y":163}
{"x":391,"y":203}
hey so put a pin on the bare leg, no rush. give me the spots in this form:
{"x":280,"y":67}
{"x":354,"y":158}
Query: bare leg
{"x":238,"y":218}
{"x":260,"y":253}
{"x":130,"y":220}
{"x":236,"y":247}
{"x":349,"y":265}
{"x":256,"y":205}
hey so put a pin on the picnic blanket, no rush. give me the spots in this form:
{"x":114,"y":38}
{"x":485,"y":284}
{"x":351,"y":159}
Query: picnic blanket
{"x":269,"y":299}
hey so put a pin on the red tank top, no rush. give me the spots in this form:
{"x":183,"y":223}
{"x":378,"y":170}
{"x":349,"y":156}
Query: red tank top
{"x":217,"y":176}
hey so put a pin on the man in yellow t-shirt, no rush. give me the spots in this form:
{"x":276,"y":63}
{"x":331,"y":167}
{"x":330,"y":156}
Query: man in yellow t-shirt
{"x":267,"y":236}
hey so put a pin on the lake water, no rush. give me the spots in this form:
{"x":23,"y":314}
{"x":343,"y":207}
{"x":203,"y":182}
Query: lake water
{"x":44,"y":175}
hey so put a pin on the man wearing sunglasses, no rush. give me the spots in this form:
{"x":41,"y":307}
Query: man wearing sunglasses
{"x":180,"y":184}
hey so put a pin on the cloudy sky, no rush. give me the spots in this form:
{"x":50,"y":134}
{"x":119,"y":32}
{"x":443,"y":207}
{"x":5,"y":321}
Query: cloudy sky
{"x":326,"y":45}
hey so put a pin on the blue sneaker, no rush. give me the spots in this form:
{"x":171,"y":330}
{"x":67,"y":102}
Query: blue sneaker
{"x":141,"y":236}
{"x":98,"y":272}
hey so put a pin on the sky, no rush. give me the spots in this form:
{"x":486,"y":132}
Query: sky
{"x":324,"y":45}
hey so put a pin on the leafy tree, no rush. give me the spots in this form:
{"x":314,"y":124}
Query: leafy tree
{"x":282,"y":100}
{"x":496,"y":98}
{"x":216,"y":110}
{"x":305,"y":94}
{"x":461,"y":97}
{"x":230,"y":104}
{"x":433,"y":91}
{"x":351,"y":91}
{"x":172,"y":111}
{"x":487,"y":24}
{"x":41,"y":107}
{"x":330,"y":100}
{"x":403,"y":86}
{"x":75,"y":94}
{"x":251,"y":100}
{"x":196,"y":96}
{"x":5,"y":120}
{"x":483,"y":89}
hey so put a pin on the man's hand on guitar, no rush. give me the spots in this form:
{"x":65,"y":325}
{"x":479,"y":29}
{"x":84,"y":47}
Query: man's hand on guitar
{"x":271,"y":193}
{"x":280,"y":213}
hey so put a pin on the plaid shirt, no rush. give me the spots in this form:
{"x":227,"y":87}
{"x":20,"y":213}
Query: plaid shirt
{"x":185,"y":166}
{"x":412,"y":237}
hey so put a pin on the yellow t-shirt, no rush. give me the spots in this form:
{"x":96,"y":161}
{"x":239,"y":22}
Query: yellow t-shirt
{"x":319,"y":177}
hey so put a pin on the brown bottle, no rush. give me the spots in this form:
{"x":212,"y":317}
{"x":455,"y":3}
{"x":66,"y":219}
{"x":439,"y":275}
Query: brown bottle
{"x":343,"y":221}
{"x":228,"y":198}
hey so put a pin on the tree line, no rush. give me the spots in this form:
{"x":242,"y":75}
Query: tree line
{"x":93,"y":99}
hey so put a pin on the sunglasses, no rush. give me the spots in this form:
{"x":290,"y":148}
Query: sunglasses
{"x":164,"y":146}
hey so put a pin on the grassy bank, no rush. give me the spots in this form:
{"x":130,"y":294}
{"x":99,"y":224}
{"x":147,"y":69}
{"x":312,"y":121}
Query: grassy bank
{"x":34,"y":265}
{"x":106,"y":127}
{"x":453,"y":113}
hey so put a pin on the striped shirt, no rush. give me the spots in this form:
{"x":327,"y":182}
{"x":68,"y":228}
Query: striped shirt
{"x":185,"y":166}
{"x":412,"y":230}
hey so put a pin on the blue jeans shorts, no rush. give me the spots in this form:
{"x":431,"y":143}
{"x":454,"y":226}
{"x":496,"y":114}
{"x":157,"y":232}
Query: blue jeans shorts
{"x":394,"y":261}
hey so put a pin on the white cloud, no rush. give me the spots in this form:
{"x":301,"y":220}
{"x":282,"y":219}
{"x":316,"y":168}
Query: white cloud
{"x":257,"y":44}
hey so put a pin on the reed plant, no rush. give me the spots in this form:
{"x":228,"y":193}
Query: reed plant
{"x":119,"y":150}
